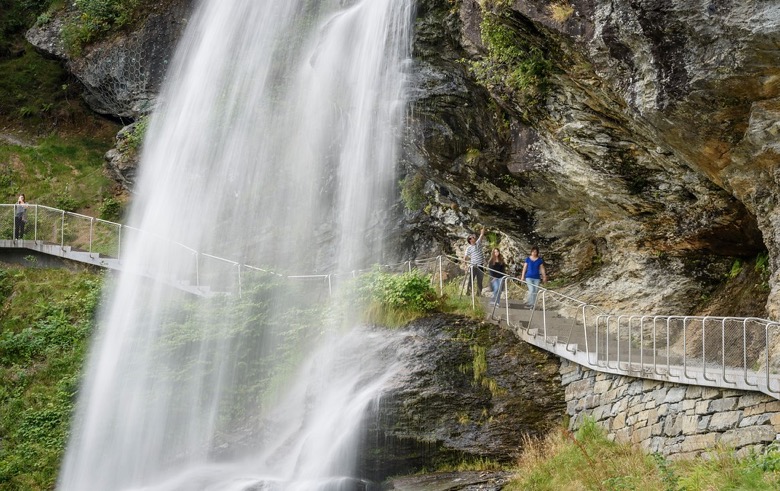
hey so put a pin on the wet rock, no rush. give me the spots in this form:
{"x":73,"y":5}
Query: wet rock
{"x":471,"y":391}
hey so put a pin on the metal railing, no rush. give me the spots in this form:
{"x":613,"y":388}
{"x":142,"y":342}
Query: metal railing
{"x":729,"y":352}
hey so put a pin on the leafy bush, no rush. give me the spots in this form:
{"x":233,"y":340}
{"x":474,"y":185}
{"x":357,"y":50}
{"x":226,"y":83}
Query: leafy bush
{"x":111,"y":209}
{"x":396,"y":299}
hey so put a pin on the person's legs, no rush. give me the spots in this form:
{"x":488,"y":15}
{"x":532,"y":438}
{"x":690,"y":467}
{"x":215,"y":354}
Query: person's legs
{"x":479,"y":274}
{"x":18,"y":227}
{"x":470,"y":280}
{"x":495,"y":283}
{"x":533,"y":288}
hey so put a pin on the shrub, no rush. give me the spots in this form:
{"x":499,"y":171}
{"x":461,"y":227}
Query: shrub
{"x":111,"y":209}
{"x":396,"y":299}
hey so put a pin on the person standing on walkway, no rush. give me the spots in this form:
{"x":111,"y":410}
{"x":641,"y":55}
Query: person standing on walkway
{"x":20,"y":217}
{"x":533,"y":271}
{"x":497,"y":272}
{"x":475,"y":258}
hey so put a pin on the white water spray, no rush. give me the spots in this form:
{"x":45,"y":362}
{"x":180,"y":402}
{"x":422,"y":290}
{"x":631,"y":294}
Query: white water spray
{"x":275,"y":145}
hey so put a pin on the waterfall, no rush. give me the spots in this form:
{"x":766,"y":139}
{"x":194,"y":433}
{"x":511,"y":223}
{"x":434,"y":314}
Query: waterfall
{"x":274,"y":145}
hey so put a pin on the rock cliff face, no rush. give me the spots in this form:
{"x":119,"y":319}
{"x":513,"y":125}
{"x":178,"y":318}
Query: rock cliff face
{"x":471,"y":391}
{"x":646,"y":165}
{"x":636,"y":142}
{"x":122,"y":74}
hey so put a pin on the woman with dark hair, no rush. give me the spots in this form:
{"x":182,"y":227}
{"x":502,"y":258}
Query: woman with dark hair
{"x":20,"y":217}
{"x":497,"y":271}
{"x":533,"y":271}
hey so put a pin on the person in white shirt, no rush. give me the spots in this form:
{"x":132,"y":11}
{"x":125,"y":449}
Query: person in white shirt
{"x":475,"y":258}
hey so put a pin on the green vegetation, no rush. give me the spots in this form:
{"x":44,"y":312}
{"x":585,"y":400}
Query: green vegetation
{"x":394,"y":300}
{"x":15,"y":17}
{"x":561,"y":11}
{"x":513,"y":67}
{"x":267,"y":327}
{"x":412,"y":192}
{"x":590,"y":461}
{"x":46,"y":317}
{"x":480,"y":370}
{"x":54,"y":154}
{"x":454,"y":302}
{"x":98,"y":18}
{"x":37,"y":93}
{"x":62,"y":172}
{"x":763,"y":270}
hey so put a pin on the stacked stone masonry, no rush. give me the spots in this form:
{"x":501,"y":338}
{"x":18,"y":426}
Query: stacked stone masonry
{"x":677,"y":421}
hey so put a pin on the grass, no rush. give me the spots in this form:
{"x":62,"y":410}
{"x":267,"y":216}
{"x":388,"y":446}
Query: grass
{"x":453,"y":302}
{"x":590,"y":461}
{"x":46,"y":318}
{"x":62,"y":172}
{"x":51,"y":145}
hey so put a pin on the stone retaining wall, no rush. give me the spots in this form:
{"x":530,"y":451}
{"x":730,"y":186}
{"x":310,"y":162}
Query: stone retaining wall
{"x":674,"y":420}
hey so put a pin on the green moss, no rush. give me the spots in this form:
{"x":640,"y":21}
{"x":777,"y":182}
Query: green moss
{"x":412,"y":192}
{"x":512,"y":67}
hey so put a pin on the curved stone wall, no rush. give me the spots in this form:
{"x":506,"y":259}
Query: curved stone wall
{"x":674,"y":420}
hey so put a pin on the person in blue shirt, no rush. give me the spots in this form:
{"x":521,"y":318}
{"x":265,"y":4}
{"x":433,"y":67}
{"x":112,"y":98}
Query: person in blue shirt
{"x":533,"y":272}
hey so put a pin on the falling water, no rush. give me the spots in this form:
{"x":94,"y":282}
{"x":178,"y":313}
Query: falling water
{"x":275,"y":146}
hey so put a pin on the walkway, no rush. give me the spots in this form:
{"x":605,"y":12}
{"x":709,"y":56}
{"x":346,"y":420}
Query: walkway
{"x":728,"y":352}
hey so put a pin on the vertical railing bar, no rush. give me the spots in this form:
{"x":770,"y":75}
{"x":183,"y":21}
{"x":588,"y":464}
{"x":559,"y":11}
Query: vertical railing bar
{"x":441,"y":277}
{"x":685,"y":348}
{"x":62,"y":232}
{"x":744,"y":350}
{"x":544,"y":318}
{"x":668,"y":345}
{"x":238,"y":265}
{"x":91,"y":223}
{"x":642,"y":342}
{"x":766,"y":350}
{"x":723,"y":349}
{"x":35,"y":227}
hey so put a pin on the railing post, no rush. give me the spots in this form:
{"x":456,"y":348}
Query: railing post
{"x":544,"y":314}
{"x":330,"y":287}
{"x":238,"y":265}
{"x":35,"y":227}
{"x":91,"y":224}
{"x":119,"y":243}
{"x":441,"y":278}
{"x":62,"y":231}
{"x":473,"y":288}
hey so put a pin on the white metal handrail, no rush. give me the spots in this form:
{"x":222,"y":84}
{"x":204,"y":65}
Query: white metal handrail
{"x":716,"y":351}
